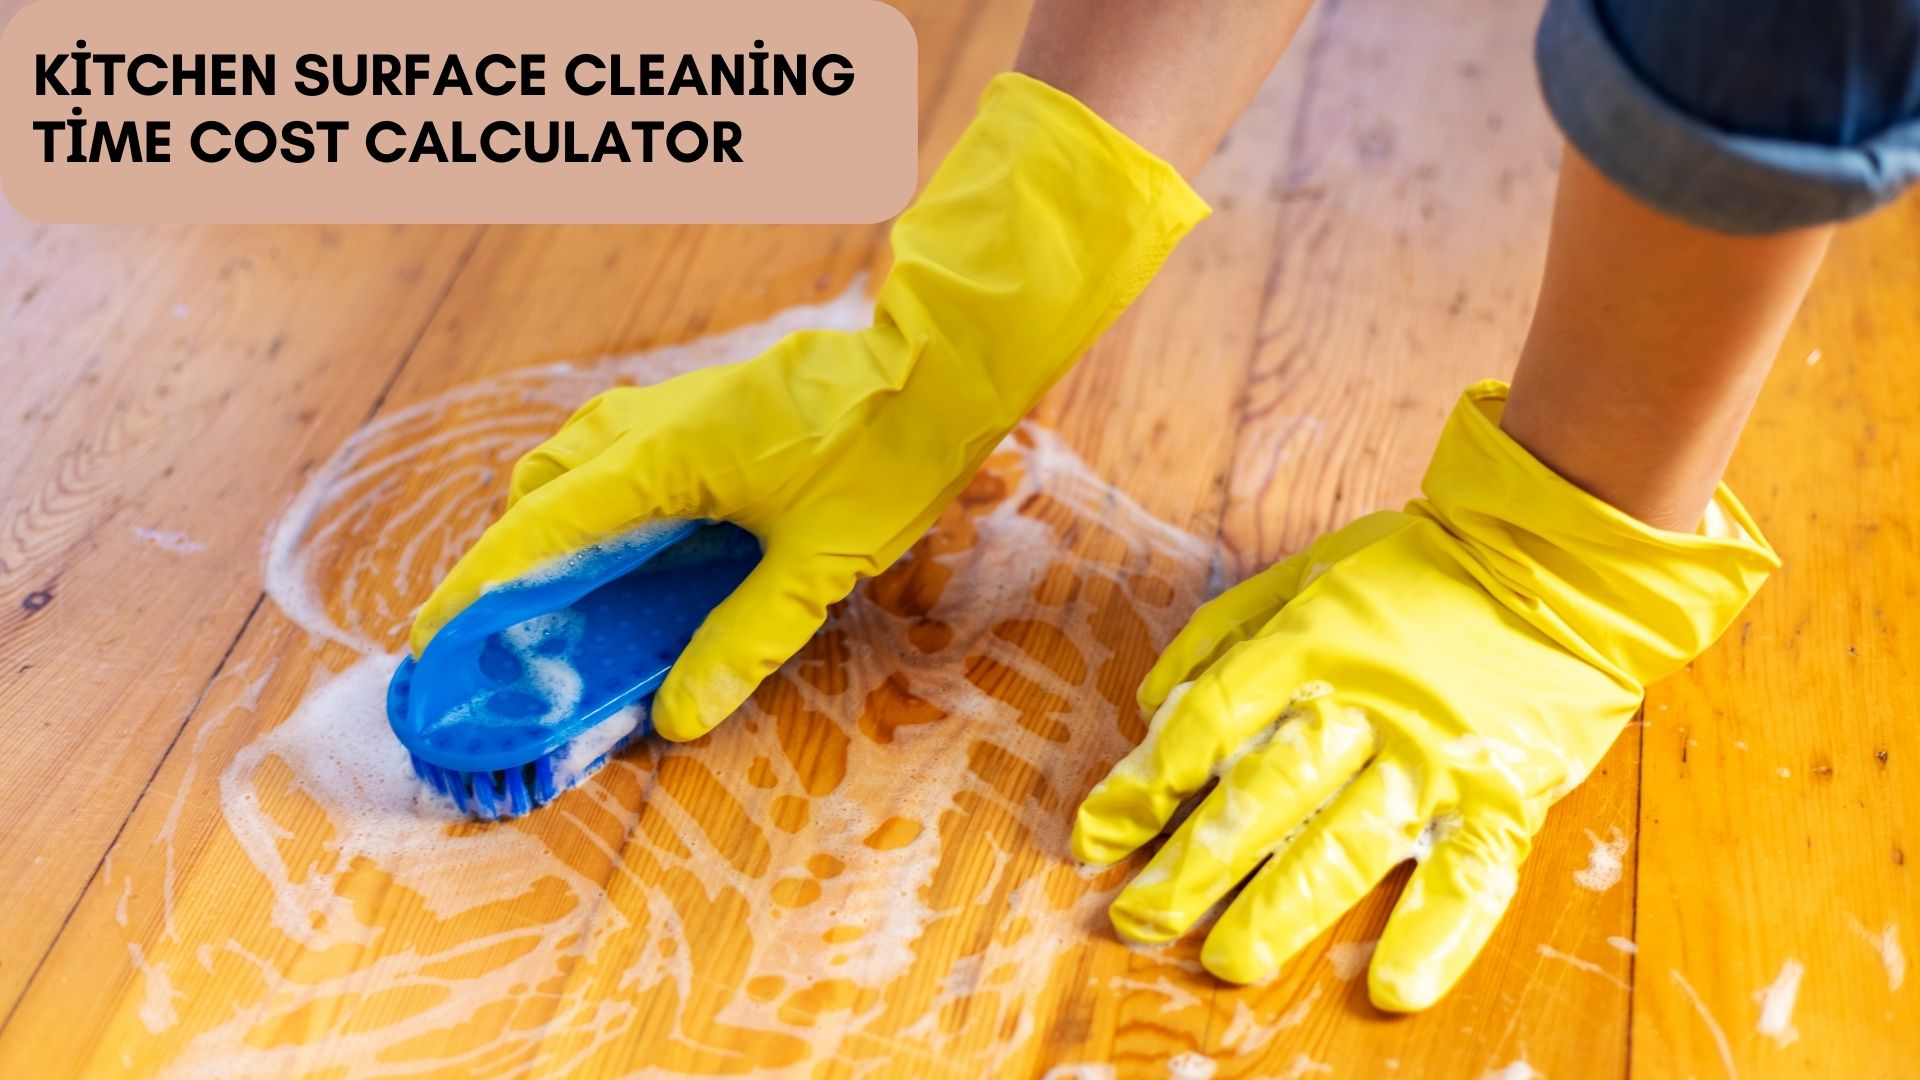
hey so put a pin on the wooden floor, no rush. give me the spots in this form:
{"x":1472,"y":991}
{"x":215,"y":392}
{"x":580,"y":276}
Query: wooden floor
{"x":1379,"y":227}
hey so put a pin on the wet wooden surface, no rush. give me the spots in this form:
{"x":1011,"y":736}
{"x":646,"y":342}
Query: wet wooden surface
{"x":1380,"y":220}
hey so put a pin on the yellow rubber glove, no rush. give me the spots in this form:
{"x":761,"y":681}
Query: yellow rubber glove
{"x":1418,"y":684}
{"x":839,"y":449}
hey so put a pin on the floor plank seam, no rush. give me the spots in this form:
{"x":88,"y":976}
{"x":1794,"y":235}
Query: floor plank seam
{"x":1633,"y":909}
{"x":1311,"y":74}
{"x":426,"y":325}
{"x":160,"y":762}
{"x":937,"y":95}
{"x":406,"y":357}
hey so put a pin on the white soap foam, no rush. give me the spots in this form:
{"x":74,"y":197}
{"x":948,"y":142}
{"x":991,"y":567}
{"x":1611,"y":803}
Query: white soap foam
{"x":1350,"y":958}
{"x":1191,"y":1066}
{"x":1552,"y":953}
{"x":1304,"y":1066}
{"x":1605,"y":861}
{"x":578,"y":756}
{"x":1706,"y":1017}
{"x":343,"y":757}
{"x":1514,"y":1070}
{"x":1177,"y":998}
{"x":1246,"y":1034}
{"x":178,"y":543}
{"x":1887,"y":943}
{"x":609,"y":882}
{"x":1079,"y":1072}
{"x":633,"y":536}
{"x":157,"y":1013}
{"x":1776,"y":1004}
{"x":549,"y":676}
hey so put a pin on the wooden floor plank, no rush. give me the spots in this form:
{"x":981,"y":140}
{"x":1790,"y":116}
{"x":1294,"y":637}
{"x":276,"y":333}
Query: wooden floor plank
{"x":1780,"y":800}
{"x":176,"y":384}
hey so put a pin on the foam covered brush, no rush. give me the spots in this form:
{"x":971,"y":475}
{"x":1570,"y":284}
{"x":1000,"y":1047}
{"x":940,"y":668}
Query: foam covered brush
{"x":529,"y":689}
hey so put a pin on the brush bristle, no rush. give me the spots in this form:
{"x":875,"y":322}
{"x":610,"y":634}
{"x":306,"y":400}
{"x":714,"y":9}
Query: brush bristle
{"x":507,"y":793}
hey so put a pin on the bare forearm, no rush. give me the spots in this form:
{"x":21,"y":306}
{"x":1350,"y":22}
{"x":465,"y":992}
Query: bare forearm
{"x":1651,"y":338}
{"x":1171,"y":74}
{"x":1649,"y":345}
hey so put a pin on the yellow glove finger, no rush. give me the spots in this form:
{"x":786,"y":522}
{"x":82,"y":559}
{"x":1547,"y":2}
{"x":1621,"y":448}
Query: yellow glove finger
{"x":767,"y":619}
{"x":548,"y":462}
{"x":592,"y":503}
{"x":1261,"y":800}
{"x":1201,"y":724}
{"x":1342,"y":853}
{"x":588,"y":431}
{"x":1452,"y":903}
{"x":1219,"y":625}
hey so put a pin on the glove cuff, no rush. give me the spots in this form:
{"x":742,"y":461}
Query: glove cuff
{"x":1038,"y":229}
{"x":1634,"y":600}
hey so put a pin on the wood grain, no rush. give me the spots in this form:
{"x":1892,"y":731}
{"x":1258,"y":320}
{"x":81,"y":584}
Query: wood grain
{"x":1380,"y":218}
{"x":1779,"y":800}
{"x":172,"y":382}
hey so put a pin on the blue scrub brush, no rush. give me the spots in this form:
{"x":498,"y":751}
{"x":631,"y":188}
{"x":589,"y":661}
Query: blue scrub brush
{"x":528,"y":690}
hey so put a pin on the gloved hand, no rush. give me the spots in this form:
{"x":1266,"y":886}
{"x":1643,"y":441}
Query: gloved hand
{"x":839,"y":449}
{"x":1418,"y":684}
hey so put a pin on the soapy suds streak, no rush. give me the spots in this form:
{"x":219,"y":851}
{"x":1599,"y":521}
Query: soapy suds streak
{"x":177,"y":543}
{"x":1303,"y":1066}
{"x":1776,"y":1004}
{"x":1176,"y":998}
{"x":1887,"y":944}
{"x":1706,"y":1017}
{"x":1191,"y":1066}
{"x":157,"y":1012}
{"x":247,"y":701}
{"x":1350,"y":958}
{"x":1552,"y":953}
{"x":1246,"y":1036}
{"x":1605,"y":862}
